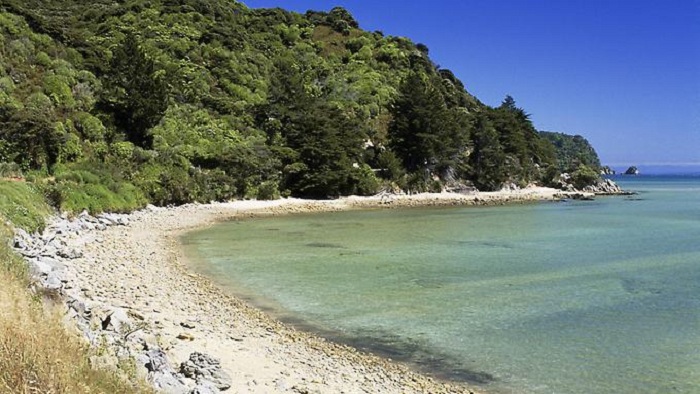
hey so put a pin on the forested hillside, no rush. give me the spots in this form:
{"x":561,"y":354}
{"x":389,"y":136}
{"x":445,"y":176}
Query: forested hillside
{"x":572,"y":151}
{"x":111,"y":104}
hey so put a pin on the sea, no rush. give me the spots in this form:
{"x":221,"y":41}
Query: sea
{"x":595,"y":296}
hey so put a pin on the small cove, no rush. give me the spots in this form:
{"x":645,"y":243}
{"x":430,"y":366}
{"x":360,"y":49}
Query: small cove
{"x":558,"y":297}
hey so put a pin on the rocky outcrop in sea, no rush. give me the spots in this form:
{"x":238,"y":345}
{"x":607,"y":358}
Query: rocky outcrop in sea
{"x":602,"y":187}
{"x":605,"y":187}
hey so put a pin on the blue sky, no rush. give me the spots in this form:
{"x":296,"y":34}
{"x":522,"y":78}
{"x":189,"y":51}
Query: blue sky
{"x":624,"y":74}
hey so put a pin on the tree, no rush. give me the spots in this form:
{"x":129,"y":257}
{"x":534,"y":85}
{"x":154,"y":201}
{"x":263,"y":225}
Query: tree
{"x":418,"y":114}
{"x":319,"y":143}
{"x":34,"y":139}
{"x":136,"y":93}
{"x":487,"y":160}
{"x":328,"y":144}
{"x":584,"y":176}
{"x":525,"y":149}
{"x":424,"y":132}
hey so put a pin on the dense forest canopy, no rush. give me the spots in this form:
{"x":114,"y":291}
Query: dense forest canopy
{"x":112,"y":104}
{"x":572,"y":151}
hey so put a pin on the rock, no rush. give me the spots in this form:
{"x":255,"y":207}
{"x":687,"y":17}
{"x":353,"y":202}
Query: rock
{"x":160,"y":373}
{"x":205,"y":388}
{"x":79,"y":306}
{"x":48,"y":236}
{"x":52,"y":282}
{"x":84,"y":215}
{"x":604,"y":186}
{"x":185,"y":336}
{"x":187,"y":324}
{"x":39,"y":267}
{"x":204,"y":368}
{"x":168,"y":383}
{"x":149,"y":341}
{"x":156,"y":360}
{"x":607,"y":171}
{"x":116,"y":321}
{"x":70,"y":253}
{"x":152,"y":208}
{"x":22,"y":240}
{"x":632,"y":171}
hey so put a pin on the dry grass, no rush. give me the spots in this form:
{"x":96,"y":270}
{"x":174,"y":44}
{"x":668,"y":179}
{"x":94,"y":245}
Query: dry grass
{"x":37,"y":354}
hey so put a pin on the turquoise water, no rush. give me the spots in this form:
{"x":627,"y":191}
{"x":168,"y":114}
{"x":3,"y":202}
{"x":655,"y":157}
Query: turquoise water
{"x":573,"y":297}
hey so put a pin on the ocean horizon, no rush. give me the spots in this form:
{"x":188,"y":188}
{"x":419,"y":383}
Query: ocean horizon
{"x":660,"y":168}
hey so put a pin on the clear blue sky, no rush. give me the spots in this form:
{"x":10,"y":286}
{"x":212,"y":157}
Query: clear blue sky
{"x":624,"y":74}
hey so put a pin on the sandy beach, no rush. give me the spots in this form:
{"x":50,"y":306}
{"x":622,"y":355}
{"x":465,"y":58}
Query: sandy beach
{"x":141,"y":267}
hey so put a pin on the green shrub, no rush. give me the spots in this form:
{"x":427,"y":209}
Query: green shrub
{"x":10,"y":170}
{"x":584,"y":176}
{"x":367,"y":182}
{"x":71,"y":149}
{"x":59,"y":91}
{"x":123,"y":150}
{"x":42,"y":59}
{"x":78,"y":176}
{"x":268,"y":191}
{"x":38,"y":103}
{"x":7,"y":85}
{"x":96,"y":198}
{"x":90,"y":127}
{"x":416,"y":182}
{"x":23,"y":205}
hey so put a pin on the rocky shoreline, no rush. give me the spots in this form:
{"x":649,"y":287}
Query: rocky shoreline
{"x":126,"y":288}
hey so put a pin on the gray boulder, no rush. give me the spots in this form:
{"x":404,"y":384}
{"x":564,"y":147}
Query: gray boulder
{"x":22,"y":240}
{"x":40,"y":267}
{"x":70,"y":253}
{"x":48,"y":236}
{"x":52,"y":282}
{"x":160,"y":373}
{"x":206,"y":369}
{"x":205,"y":388}
{"x":168,"y":383}
{"x":116,"y":320}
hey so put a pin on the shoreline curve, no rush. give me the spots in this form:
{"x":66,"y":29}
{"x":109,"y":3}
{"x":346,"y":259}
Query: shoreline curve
{"x":142,"y":267}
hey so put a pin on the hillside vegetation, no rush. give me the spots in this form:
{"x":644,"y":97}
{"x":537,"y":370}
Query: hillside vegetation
{"x":572,"y":151}
{"x":111,"y":105}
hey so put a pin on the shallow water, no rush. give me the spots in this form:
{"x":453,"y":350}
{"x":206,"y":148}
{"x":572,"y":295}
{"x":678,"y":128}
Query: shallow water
{"x":572,"y":297}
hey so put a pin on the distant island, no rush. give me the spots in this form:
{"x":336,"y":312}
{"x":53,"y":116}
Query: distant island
{"x":632,"y":171}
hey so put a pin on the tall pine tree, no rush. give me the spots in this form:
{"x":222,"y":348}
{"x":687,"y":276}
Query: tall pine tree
{"x":135,"y":92}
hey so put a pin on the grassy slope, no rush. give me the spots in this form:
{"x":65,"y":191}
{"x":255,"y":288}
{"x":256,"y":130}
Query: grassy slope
{"x":37,"y":354}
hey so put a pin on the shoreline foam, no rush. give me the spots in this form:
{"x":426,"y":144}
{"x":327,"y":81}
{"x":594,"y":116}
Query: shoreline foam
{"x":142,"y":268}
